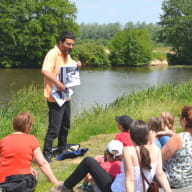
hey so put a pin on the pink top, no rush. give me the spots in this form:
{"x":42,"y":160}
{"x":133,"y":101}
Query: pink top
{"x":112,"y":167}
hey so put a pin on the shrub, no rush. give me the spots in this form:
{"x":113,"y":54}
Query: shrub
{"x":131,"y":47}
{"x":91,"y":55}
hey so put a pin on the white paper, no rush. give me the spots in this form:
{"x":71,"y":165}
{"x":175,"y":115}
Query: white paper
{"x":69,"y":75}
{"x":62,"y":96}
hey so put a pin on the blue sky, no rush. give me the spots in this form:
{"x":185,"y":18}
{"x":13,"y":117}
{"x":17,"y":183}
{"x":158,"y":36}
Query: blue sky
{"x":122,"y":11}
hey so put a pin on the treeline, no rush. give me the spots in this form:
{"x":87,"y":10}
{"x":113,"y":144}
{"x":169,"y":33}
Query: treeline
{"x":28,"y":29}
{"x":112,"y":44}
{"x":102,"y":33}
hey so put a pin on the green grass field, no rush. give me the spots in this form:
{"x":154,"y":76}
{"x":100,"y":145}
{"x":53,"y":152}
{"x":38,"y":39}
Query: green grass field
{"x":96,"y":126}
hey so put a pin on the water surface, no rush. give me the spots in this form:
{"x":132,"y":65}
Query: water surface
{"x":97,"y":86}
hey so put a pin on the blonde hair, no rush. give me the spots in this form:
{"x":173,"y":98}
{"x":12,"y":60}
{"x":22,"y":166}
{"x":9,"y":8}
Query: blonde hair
{"x":167,"y":119}
{"x":23,"y":122}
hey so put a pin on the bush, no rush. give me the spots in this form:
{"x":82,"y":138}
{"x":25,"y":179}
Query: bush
{"x":131,"y":47}
{"x":91,"y":55}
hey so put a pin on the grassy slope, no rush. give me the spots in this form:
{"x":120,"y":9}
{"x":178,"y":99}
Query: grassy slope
{"x":97,"y":122}
{"x":142,"y":105}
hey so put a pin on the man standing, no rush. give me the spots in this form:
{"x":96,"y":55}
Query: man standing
{"x":59,"y":117}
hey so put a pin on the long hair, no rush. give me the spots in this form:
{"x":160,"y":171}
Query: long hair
{"x":139,"y":133}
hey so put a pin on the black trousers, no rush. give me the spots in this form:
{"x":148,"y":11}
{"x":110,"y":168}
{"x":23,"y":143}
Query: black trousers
{"x":59,"y":125}
{"x":89,"y":165}
{"x":19,"y":183}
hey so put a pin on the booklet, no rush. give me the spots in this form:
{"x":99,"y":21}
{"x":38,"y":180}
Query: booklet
{"x":69,"y":76}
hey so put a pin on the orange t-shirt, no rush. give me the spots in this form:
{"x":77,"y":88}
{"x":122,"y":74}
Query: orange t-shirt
{"x":52,"y":62}
{"x":16,"y":154}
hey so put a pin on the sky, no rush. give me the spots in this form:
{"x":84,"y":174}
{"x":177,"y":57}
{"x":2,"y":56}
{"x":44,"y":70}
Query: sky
{"x":122,"y":11}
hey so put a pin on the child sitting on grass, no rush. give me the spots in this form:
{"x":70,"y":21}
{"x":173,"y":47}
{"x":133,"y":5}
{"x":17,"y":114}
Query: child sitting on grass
{"x":161,"y":129}
{"x":123,"y":124}
{"x":100,"y":175}
{"x":167,"y":120}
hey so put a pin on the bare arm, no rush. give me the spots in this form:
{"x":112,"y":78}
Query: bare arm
{"x":162,"y":178}
{"x":170,"y":148}
{"x":129,"y":170}
{"x":167,"y":132}
{"x":79,"y":64}
{"x":44,"y":166}
{"x":53,"y":79}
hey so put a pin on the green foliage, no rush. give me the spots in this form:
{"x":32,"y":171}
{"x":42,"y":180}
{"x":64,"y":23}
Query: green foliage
{"x":131,"y":47}
{"x":176,"y":23}
{"x":27,"y":99}
{"x":91,"y":55}
{"x":159,"y":55}
{"x":100,"y":32}
{"x":97,"y":31}
{"x":153,"y":29}
{"x":29,"y":28}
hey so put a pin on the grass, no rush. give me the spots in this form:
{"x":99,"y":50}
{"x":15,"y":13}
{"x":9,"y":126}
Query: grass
{"x":96,"y":126}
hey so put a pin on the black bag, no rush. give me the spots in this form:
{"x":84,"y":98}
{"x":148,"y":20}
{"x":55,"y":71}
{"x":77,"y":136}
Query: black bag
{"x":19,"y":183}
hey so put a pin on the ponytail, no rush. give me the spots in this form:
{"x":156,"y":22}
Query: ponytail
{"x":145,"y":158}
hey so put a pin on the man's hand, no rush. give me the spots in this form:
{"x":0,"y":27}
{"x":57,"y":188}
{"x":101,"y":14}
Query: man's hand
{"x":79,"y":64}
{"x":60,"y":86}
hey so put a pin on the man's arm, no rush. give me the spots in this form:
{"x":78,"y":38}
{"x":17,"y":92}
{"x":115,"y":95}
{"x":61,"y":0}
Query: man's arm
{"x":52,"y":78}
{"x":79,"y":64}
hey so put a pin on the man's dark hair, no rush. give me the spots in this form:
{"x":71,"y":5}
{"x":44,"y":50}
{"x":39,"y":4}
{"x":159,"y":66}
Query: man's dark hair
{"x":66,"y":35}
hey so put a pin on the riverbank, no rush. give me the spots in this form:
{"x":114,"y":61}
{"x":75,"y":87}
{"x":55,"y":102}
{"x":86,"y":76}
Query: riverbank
{"x":156,"y":62}
{"x":94,"y":127}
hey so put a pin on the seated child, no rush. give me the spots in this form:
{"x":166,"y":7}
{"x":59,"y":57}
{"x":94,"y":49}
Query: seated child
{"x":154,"y":125}
{"x":161,"y":129}
{"x":167,"y":120}
{"x":123,"y":124}
{"x":111,"y":165}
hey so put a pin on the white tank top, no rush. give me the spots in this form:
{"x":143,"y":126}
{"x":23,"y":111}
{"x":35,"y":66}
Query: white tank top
{"x":118,"y":184}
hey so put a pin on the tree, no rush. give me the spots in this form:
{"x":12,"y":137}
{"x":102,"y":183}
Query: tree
{"x":176,"y":22}
{"x":28,"y":28}
{"x":91,"y":55}
{"x":131,"y":47}
{"x":96,"y":31}
{"x":153,"y":29}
